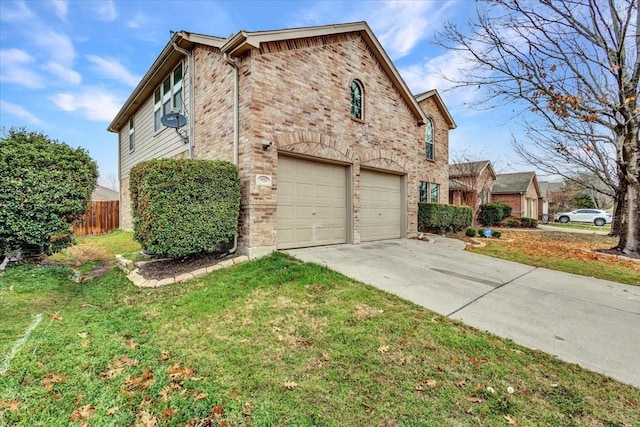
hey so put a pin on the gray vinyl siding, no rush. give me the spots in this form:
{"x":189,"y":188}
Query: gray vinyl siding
{"x":150,"y":144}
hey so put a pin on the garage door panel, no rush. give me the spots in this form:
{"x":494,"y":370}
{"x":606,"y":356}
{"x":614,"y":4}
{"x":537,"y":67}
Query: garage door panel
{"x":380,"y":206}
{"x":312,"y":204}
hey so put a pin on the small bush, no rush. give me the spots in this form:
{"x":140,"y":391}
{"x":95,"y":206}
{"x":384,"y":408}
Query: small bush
{"x":493,"y":213}
{"x":437,"y":218}
{"x":183,"y":207}
{"x":496,"y":234}
{"x":470,"y":232}
{"x":528,"y":222}
{"x":512,"y":223}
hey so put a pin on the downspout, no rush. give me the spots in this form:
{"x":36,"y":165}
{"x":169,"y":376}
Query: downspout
{"x":236,"y":138}
{"x":189,"y":56}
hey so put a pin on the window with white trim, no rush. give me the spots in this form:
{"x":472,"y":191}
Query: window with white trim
{"x":167,"y":97}
{"x":428,"y":139}
{"x":132,"y":140}
{"x":429,"y":192}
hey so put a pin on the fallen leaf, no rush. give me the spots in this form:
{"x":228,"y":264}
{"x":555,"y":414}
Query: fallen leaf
{"x":304,"y":343}
{"x":198,"y":396}
{"x":56,"y":316}
{"x":176,"y":372}
{"x":326,"y":357}
{"x":383,"y":349}
{"x":83,"y":334}
{"x":233,"y":394}
{"x":511,"y":420}
{"x":290,"y":385}
{"x":168,"y":413}
{"x":11,"y":405}
{"x":474,"y":399}
{"x":50,"y":379}
{"x":163,"y":356}
{"x":114,"y":410}
{"x":461,"y":383}
{"x":217,"y":410}
{"x":132,"y":345}
{"x":558,"y":337}
{"x":85,"y":343}
{"x":82,"y":413}
{"x":248,"y":408}
{"x":144,"y":331}
{"x":139,"y":383}
{"x":145,"y":419}
{"x":431,"y":383}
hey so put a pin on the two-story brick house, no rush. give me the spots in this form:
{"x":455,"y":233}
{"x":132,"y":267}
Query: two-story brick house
{"x":331,"y":145}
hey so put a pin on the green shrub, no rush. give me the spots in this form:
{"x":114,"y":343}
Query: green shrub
{"x":182,"y":207}
{"x":528,"y":222}
{"x":512,"y":223}
{"x":470,"y":232}
{"x":45,"y":187}
{"x":493,"y":213}
{"x":438,"y":218}
{"x":496,"y":234}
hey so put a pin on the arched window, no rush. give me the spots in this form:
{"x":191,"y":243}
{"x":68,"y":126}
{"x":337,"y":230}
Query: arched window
{"x":428,"y":139}
{"x":357,"y":98}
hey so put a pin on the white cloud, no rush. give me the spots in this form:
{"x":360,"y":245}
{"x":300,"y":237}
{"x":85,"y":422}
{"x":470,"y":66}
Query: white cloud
{"x":56,"y":46}
{"x":17,"y":14}
{"x":93,"y":103}
{"x":21,"y":113}
{"x":16,"y":67}
{"x":66,"y":75}
{"x":112,"y":68}
{"x":106,"y":10}
{"x":140,"y":20}
{"x":61,"y":8}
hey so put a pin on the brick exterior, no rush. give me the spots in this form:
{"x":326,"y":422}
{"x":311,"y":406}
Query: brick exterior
{"x":296,"y":97}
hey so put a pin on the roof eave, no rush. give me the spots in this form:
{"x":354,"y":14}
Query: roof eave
{"x":433,"y":92}
{"x":167,"y":58}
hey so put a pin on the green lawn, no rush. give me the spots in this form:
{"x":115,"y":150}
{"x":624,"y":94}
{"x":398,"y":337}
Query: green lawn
{"x":265,"y":343}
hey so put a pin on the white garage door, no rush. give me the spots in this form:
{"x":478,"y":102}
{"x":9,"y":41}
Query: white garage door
{"x":312,"y":203}
{"x":380,"y":206}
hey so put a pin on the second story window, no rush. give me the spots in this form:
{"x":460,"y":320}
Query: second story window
{"x":167,"y":97}
{"x":357,"y":99}
{"x":428,"y":139}
{"x":132,"y":140}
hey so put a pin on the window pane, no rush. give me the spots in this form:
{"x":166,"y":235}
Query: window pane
{"x":177,"y":74}
{"x":428,"y":139}
{"x":157,"y":96}
{"x":177,"y":100}
{"x":156,"y":119}
{"x":356,"y":100}
{"x":435,"y":190}
{"x":423,"y":192}
{"x":166,"y":85}
{"x":166,"y":107}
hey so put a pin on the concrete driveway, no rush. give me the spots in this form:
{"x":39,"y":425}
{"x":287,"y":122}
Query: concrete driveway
{"x":594,"y":323}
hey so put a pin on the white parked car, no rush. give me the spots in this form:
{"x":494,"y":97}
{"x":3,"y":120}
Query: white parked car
{"x":595,"y":216}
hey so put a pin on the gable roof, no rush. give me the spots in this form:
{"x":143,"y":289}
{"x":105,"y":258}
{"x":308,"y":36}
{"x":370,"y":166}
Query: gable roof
{"x":457,"y":170}
{"x":511,"y":183}
{"x":433,"y":93}
{"x":104,"y":193}
{"x":241,"y":42}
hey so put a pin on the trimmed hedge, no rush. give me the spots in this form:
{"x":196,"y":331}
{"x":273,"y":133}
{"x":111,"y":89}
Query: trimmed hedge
{"x":45,"y":188}
{"x":493,"y":213}
{"x":438,"y":218}
{"x":182,"y":207}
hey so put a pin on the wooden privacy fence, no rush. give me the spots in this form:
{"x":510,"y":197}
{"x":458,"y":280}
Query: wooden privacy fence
{"x":101,"y":217}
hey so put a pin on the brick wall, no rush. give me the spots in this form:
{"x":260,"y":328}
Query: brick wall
{"x":513,"y":200}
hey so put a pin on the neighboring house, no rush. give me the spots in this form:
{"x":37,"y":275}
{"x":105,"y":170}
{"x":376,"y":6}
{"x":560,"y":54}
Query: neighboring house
{"x":471,"y":183}
{"x":104,"y":193}
{"x":544,"y":194}
{"x":520,"y":191}
{"x":331,"y":145}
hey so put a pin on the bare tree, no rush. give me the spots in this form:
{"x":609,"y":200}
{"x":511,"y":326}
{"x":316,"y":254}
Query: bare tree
{"x":110,"y":181}
{"x":574,"y":66}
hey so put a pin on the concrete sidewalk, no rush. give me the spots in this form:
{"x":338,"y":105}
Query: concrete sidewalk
{"x":594,"y":323}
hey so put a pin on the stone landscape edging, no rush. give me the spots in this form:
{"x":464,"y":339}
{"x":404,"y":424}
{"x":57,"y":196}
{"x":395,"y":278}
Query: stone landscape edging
{"x":132,"y":271}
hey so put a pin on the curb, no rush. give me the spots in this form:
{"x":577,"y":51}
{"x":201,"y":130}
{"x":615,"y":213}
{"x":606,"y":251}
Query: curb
{"x":131,"y":269}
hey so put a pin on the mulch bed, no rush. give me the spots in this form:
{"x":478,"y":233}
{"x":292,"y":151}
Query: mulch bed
{"x":171,"y":267}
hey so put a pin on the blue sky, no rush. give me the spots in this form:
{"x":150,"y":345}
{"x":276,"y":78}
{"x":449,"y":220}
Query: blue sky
{"x":66,"y":67}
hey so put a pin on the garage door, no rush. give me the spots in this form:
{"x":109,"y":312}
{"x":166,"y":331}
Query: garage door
{"x":312,"y":203}
{"x":380,"y":206}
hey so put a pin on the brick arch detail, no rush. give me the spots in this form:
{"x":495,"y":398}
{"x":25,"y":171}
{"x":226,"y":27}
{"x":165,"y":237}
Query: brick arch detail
{"x":315,"y":145}
{"x":383,"y":159}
